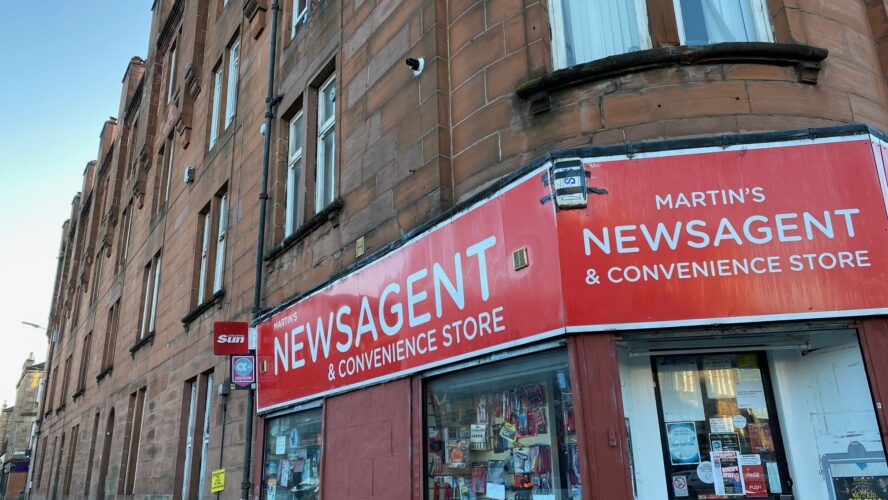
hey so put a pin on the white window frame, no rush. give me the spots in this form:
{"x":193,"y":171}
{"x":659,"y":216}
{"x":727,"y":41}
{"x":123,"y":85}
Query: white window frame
{"x":299,"y":16}
{"x":154,"y":293}
{"x":231,"y":91}
{"x":169,"y":169}
{"x":221,"y":232}
{"x":171,"y":73}
{"x":205,"y":442}
{"x":189,"y":440}
{"x":204,"y":256}
{"x":325,"y":128}
{"x":146,"y":302}
{"x":559,"y":51}
{"x":763,"y":29}
{"x":217,"y":101}
{"x":294,"y":165}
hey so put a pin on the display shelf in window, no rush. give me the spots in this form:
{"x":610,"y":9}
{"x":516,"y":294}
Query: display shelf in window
{"x":292,"y":461}
{"x":505,"y":433}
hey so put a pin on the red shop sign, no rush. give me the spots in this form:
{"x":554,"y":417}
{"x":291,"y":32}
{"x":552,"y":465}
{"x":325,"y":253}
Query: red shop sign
{"x":755,"y":234}
{"x":230,"y":337}
{"x":452,"y":292}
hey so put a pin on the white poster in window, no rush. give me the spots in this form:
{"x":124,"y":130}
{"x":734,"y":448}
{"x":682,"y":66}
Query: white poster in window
{"x":750,"y":394}
{"x":720,"y":377}
{"x":280,"y":445}
{"x":680,"y":390}
{"x":721,"y":424}
{"x":496,"y":491}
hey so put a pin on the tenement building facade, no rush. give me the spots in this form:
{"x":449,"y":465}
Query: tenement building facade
{"x":485,"y":249}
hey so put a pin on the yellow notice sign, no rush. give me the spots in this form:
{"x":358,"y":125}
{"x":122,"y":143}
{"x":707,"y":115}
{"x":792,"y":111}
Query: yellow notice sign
{"x":218,"y":481}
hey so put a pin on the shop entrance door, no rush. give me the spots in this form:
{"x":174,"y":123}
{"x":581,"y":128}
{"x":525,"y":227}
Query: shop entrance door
{"x":719,"y":428}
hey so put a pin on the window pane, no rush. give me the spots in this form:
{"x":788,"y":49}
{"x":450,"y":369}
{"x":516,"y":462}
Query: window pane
{"x":714,"y":21}
{"x":204,"y":255}
{"x":155,"y":287}
{"x":326,"y":157}
{"x":327,"y":104}
{"x":593,"y":29}
{"x":220,"y":243}
{"x":292,"y":218}
{"x":189,"y":438}
{"x":208,"y":411}
{"x":718,"y":426}
{"x":292,"y":461}
{"x":503,"y":427}
{"x":231,"y":100}
{"x":294,"y":148}
{"x":214,"y":117}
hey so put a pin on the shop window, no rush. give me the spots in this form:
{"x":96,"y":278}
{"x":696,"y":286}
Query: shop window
{"x":584,"y":30}
{"x":702,"y":22}
{"x":292,"y":461}
{"x":719,"y":430}
{"x":503,"y":431}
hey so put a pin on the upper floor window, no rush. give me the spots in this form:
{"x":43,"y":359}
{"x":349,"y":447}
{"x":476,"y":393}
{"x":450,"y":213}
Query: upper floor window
{"x":703,"y":22}
{"x":293,"y":215}
{"x":326,"y":145}
{"x":150,"y":286}
{"x":217,"y":98}
{"x":171,"y":73}
{"x":585,"y":30}
{"x":225,"y":76}
{"x":231,"y":97}
{"x":211,"y":258}
{"x":300,"y":14}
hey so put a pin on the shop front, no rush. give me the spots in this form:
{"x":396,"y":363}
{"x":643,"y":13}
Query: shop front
{"x":676,"y":323}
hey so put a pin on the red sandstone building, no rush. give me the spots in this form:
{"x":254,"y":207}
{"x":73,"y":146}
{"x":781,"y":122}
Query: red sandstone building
{"x":572,"y":249}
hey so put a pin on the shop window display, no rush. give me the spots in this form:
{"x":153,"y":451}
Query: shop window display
{"x":721,"y":438}
{"x":292,"y":457}
{"x":503,"y":431}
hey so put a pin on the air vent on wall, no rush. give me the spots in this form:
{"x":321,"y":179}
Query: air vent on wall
{"x":519,"y":258}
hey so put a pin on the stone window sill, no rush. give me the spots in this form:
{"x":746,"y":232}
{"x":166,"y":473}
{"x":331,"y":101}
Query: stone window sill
{"x":79,"y":393}
{"x":104,"y":373}
{"x":329,"y":213}
{"x":806,"y":59}
{"x":199,"y":309}
{"x":60,"y":409}
{"x":147,"y":339}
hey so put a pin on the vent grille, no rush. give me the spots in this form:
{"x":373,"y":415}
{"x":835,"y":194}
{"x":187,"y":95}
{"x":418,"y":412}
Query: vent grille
{"x":519,"y":258}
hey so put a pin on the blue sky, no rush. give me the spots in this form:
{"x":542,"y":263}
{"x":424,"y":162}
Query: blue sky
{"x":61,"y":65}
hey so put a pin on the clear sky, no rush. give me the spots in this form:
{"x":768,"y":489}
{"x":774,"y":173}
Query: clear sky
{"x":61,"y":65}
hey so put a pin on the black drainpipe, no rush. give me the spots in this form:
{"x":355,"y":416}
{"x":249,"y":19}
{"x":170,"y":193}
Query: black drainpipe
{"x":270,"y":102}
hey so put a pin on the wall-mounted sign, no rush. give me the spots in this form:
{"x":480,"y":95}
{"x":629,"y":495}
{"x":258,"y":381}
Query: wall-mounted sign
{"x":217,"y":481}
{"x":728,"y":235}
{"x":230,"y":337}
{"x":753,"y":234}
{"x":243,"y":370}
